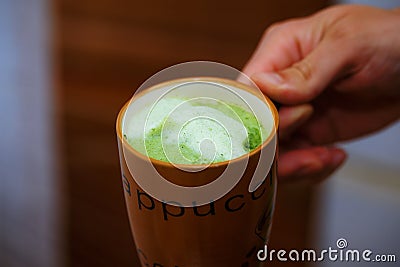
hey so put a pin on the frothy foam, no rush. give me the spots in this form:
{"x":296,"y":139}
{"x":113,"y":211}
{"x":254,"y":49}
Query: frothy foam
{"x":194,"y":130}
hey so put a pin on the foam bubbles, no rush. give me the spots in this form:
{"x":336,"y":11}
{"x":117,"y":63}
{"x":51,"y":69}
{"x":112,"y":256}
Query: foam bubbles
{"x":193,"y":131}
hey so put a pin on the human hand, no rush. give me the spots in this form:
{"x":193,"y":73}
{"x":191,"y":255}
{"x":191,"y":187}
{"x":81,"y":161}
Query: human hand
{"x":337,"y":73}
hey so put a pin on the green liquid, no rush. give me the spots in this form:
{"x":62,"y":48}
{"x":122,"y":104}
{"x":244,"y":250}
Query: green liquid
{"x":189,"y":149}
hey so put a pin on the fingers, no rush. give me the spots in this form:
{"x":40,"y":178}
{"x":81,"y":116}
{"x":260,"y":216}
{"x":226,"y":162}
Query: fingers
{"x":313,"y":163}
{"x":281,"y":45}
{"x":296,"y":60}
{"x":307,"y":78}
{"x":291,"y":118}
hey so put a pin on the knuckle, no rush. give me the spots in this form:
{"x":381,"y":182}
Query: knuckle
{"x":286,"y":26}
{"x":274,"y":28}
{"x":304,"y":69}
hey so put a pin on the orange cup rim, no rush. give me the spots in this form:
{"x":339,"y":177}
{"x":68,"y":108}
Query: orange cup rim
{"x":233,"y":83}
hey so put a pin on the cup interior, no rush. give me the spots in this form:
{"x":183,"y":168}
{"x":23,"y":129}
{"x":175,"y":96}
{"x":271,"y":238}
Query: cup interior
{"x":228,"y":91}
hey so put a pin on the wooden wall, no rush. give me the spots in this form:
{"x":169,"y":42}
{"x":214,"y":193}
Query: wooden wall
{"x":107,"y":49}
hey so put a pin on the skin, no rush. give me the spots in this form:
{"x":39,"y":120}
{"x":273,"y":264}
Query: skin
{"x":337,"y":74}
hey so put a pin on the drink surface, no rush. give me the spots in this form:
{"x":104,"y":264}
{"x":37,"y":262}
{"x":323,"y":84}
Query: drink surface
{"x":195,"y":131}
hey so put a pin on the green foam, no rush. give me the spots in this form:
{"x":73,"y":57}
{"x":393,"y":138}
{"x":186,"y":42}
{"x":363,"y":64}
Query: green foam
{"x":182,"y":144}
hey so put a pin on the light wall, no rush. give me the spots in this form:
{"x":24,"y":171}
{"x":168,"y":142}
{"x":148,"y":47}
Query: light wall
{"x":361,"y":202}
{"x":30,"y":200}
{"x":378,"y":3}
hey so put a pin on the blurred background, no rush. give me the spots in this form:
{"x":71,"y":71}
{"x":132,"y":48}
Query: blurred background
{"x":67,"y":67}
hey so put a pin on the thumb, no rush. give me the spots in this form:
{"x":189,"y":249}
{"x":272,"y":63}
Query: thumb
{"x":307,"y":78}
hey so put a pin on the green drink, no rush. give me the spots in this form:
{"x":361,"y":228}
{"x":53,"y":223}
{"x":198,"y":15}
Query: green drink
{"x":196,"y":131}
{"x":198,"y":162}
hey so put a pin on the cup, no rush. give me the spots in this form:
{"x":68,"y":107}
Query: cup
{"x":184,"y":215}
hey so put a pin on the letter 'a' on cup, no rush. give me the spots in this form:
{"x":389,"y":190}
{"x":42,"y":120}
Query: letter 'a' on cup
{"x":212,"y":203}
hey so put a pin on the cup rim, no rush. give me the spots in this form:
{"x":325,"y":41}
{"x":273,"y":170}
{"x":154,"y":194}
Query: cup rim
{"x":233,"y":83}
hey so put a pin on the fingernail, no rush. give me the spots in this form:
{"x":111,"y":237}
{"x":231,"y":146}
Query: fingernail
{"x":338,"y":158}
{"x":271,"y":78}
{"x":325,"y":155}
{"x":301,"y":113}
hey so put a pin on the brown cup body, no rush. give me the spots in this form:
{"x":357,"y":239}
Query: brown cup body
{"x":226,"y":232}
